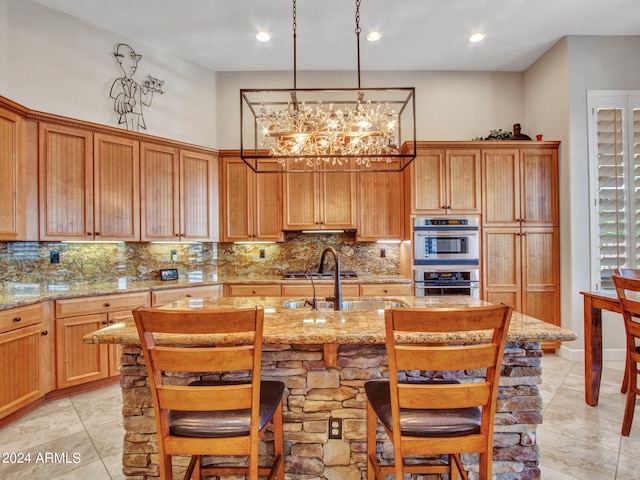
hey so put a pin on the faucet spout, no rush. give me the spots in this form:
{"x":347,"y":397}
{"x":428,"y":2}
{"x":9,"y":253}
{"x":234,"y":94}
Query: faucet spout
{"x":337,"y":288}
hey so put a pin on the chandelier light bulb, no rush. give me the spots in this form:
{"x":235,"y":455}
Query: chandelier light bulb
{"x":374,"y":36}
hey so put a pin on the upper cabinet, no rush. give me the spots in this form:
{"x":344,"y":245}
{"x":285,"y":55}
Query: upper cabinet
{"x":380,"y":205}
{"x":444,"y":180}
{"x":319,"y":201}
{"x":520,"y":186}
{"x":88,"y":185}
{"x":251,"y":203}
{"x":18,"y":164}
{"x":178,"y":191}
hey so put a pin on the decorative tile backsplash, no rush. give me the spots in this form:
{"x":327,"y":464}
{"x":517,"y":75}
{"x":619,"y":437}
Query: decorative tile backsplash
{"x":31,"y":262}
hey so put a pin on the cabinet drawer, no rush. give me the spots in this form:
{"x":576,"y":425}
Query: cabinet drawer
{"x":103,"y":304}
{"x":20,"y":317}
{"x":162,"y":297}
{"x":254,"y":290}
{"x":373,"y":289}
{"x":321,"y":290}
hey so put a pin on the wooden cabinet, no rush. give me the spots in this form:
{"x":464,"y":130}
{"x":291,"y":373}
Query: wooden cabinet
{"x":178,"y":191}
{"x":19,"y":166}
{"x":380,"y":205}
{"x":162,"y":297}
{"x":444,"y":180}
{"x":520,"y":186}
{"x":257,"y":290}
{"x":116,"y":171}
{"x":322,"y":290}
{"x":521,"y":268}
{"x":319,"y":201}
{"x":88,"y":191}
{"x":26,"y":348}
{"x":77,"y":362}
{"x":521,"y":251}
{"x":381,"y":289}
{"x":66,"y":183}
{"x":251,"y":207}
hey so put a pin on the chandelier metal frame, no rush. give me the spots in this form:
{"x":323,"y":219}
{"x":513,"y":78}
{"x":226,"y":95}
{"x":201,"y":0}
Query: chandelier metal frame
{"x":306,"y":130}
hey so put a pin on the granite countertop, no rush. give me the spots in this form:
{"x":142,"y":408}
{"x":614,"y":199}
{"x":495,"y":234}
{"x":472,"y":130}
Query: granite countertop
{"x":17,"y":295}
{"x":304,"y":326}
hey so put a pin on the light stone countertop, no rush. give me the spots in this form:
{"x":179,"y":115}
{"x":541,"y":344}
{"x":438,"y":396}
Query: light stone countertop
{"x":18,"y":295}
{"x":304,"y":326}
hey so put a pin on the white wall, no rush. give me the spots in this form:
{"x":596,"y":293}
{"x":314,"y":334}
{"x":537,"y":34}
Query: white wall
{"x":58,"y":64}
{"x":449,"y":105}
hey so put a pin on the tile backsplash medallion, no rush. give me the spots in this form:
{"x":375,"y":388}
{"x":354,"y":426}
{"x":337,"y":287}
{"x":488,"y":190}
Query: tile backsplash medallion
{"x":30,"y":262}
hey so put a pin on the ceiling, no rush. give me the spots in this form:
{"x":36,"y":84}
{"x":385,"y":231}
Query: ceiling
{"x":416,"y":34}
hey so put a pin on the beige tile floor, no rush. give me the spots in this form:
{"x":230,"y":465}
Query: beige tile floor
{"x":576,"y":441}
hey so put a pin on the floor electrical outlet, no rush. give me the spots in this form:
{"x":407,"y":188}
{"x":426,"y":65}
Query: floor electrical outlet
{"x":335,"y":428}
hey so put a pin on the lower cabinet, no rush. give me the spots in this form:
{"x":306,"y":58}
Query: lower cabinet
{"x":257,"y":290}
{"x":26,"y":349}
{"x":322,"y":290}
{"x":523,"y":270}
{"x":162,"y":297}
{"x":77,"y":362}
{"x":378,"y":289}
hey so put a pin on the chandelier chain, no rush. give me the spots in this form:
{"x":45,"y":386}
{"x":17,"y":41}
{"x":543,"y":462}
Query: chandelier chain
{"x":358,"y":30}
{"x":295,"y":56}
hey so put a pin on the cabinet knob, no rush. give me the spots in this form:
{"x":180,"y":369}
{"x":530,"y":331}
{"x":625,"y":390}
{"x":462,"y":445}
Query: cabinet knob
{"x":104,"y":322}
{"x":45,"y":333}
{"x":449,"y":207}
{"x":112,"y":321}
{"x":253,"y":291}
{"x":177,"y":234}
{"x":444,"y":207}
{"x":97,"y":233}
{"x":17,"y":319}
{"x":188,"y":295}
{"x":107,"y":304}
{"x":386,"y":291}
{"x":89,"y":233}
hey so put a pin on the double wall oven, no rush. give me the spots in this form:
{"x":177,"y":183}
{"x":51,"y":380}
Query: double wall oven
{"x":446,"y":256}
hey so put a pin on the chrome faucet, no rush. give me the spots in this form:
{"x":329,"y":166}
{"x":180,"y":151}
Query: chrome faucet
{"x":337,"y":288}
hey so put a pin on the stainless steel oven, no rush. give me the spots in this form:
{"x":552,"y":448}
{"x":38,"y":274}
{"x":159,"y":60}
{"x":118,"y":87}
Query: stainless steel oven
{"x":446,"y":241}
{"x":447,"y":281}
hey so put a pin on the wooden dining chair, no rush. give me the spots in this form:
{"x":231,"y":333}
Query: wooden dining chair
{"x":628,"y":290}
{"x":444,"y":417}
{"x":205,"y":417}
{"x":628,"y":273}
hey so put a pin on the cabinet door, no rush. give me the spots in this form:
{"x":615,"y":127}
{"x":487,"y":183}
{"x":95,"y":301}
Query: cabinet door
{"x":198,"y":197}
{"x":540,"y":274}
{"x":22,"y":353}
{"x":300,"y":200}
{"x":463,"y":182}
{"x":539,"y":190}
{"x":11,"y":211}
{"x":66,"y":183}
{"x":237,"y":200}
{"x":267,"y":204}
{"x":115,"y":351}
{"x":376,"y":289}
{"x":428,"y":183}
{"x":252,"y":291}
{"x":337,"y":199}
{"x":501,"y":266}
{"x":380,"y":205}
{"x":116,"y":188}
{"x":159,"y":190}
{"x":76,"y":361}
{"x":500,"y":187}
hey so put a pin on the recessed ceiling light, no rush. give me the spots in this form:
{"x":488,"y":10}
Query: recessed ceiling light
{"x":476,"y":37}
{"x":263,"y":36}
{"x":373,"y":36}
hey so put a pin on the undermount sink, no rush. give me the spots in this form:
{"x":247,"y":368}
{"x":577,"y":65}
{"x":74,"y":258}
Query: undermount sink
{"x":360,"y":304}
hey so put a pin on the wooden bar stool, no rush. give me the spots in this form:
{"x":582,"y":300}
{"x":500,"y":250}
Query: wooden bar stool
{"x":221,"y":417}
{"x":438,"y":417}
{"x":628,"y":290}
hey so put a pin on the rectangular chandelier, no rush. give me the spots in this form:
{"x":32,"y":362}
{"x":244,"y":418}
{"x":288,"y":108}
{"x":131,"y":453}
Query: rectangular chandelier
{"x":350,"y":129}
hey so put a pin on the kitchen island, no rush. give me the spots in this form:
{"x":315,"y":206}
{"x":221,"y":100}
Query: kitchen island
{"x":324,"y":357}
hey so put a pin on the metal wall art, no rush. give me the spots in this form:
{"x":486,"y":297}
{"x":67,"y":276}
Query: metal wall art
{"x":129,"y":97}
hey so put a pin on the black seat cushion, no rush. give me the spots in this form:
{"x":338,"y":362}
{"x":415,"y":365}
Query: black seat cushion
{"x":225,"y":423}
{"x":423,"y":422}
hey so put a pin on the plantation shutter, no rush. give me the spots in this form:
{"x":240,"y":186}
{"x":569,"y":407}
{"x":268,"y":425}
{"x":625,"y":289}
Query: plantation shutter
{"x":615,"y":149}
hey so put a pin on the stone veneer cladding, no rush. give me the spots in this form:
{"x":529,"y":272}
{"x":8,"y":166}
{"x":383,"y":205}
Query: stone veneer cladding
{"x":315,"y":392}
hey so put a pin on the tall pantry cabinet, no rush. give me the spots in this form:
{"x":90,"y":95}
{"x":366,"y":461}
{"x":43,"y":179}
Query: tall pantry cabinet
{"x":521,"y":252}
